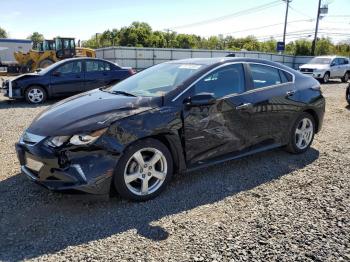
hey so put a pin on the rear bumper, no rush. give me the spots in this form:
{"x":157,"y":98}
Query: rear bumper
{"x":89,"y":172}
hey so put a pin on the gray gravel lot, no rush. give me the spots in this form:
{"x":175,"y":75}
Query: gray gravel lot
{"x":273,"y":206}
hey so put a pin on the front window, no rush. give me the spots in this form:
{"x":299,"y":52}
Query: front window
{"x":156,"y":80}
{"x":70,"y":68}
{"x":320,"y":60}
{"x":224,"y":81}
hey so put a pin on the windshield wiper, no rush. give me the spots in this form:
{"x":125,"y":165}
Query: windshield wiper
{"x":117,"y":92}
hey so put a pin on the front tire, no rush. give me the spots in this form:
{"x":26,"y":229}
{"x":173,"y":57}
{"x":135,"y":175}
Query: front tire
{"x":348,"y":94}
{"x":35,"y":95}
{"x":325,"y":78}
{"x":144,"y":170}
{"x":302,"y":134}
{"x":345,"y":78}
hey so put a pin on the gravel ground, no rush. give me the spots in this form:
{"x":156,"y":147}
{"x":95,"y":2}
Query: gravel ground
{"x":269,"y":207}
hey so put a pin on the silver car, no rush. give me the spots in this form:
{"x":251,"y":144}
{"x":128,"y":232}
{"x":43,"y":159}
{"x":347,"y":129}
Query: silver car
{"x":324,"y":68}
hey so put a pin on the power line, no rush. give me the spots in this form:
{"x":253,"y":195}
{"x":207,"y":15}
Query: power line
{"x":233,"y":15}
{"x":266,"y":26}
{"x":299,"y":12}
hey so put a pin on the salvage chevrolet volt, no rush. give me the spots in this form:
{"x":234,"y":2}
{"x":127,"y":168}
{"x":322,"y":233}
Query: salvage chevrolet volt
{"x":180,"y":115}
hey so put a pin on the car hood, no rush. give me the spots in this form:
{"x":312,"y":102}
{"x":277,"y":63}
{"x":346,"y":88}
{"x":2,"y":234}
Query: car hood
{"x":315,"y":66}
{"x":25,"y":76}
{"x":87,"y":112}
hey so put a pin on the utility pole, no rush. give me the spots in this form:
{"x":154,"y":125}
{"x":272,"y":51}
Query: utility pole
{"x":286,"y":20}
{"x":167,"y":30}
{"x":316,"y":29}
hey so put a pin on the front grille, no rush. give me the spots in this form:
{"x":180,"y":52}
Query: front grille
{"x":5,"y":84}
{"x":306,"y":70}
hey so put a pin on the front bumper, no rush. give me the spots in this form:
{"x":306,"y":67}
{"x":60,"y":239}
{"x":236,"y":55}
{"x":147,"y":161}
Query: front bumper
{"x":8,"y":90}
{"x":88,"y":170}
{"x":316,"y":75}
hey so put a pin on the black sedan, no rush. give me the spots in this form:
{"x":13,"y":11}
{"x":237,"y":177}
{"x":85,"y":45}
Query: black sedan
{"x":172,"y":117}
{"x":65,"y":78}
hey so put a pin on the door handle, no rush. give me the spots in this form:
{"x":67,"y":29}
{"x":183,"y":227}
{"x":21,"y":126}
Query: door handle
{"x":244,"y":106}
{"x":290,"y":92}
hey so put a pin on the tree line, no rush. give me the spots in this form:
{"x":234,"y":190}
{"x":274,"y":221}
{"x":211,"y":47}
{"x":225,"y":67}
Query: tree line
{"x":140,"y":34}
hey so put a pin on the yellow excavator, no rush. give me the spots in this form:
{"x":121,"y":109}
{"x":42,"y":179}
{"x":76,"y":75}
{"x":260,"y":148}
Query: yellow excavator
{"x":49,"y":52}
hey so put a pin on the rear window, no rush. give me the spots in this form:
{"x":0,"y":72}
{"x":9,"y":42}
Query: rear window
{"x":285,"y":76}
{"x":264,"y":76}
{"x":95,"y":66}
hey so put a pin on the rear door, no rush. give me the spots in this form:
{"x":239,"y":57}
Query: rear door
{"x":67,"y":78}
{"x":269,"y":104}
{"x":98,"y":73}
{"x":336,"y":68}
{"x":342,"y":66}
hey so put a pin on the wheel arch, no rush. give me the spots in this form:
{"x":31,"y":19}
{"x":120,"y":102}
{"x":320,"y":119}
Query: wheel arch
{"x":173,"y":143}
{"x":315,"y":116}
{"x":31,"y":85}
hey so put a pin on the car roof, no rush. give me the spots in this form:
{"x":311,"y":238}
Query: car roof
{"x":222,"y":60}
{"x":330,"y":56}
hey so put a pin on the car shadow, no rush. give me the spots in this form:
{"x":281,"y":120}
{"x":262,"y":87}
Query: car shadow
{"x":35,"y":221}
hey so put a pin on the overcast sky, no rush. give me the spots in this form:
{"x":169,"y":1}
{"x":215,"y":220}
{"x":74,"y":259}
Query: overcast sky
{"x":83,"y":18}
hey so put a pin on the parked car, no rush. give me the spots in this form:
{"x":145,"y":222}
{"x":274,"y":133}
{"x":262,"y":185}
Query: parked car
{"x":324,"y":68}
{"x":172,"y":117}
{"x":65,"y":78}
{"x":347,"y":96}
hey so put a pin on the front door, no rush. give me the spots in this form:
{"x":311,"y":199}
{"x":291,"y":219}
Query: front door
{"x":214,"y":130}
{"x":67,"y":78}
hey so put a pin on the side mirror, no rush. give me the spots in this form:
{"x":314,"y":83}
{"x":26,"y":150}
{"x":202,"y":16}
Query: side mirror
{"x":202,"y":99}
{"x":56,"y":73}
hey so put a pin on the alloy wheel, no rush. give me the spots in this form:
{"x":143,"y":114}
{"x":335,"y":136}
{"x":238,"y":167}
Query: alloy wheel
{"x":304,"y":133}
{"x":145,"y":171}
{"x":35,"y":95}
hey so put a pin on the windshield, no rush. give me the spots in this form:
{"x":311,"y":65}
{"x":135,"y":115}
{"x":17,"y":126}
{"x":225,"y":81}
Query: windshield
{"x":156,"y":80}
{"x":320,"y":60}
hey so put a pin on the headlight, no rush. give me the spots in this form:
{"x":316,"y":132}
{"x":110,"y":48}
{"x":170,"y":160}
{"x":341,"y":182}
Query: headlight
{"x":57,"y":141}
{"x":86,"y":139}
{"x":81,"y":139}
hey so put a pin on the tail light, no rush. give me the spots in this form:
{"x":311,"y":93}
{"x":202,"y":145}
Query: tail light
{"x":132,"y":71}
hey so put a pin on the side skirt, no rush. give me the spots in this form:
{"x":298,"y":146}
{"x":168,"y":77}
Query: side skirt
{"x":233,"y":156}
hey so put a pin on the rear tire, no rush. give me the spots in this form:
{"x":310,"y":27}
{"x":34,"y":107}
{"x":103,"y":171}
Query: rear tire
{"x":325,"y":78}
{"x":143,"y":171}
{"x":345,"y":78}
{"x":302,"y":134}
{"x":35,"y":95}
